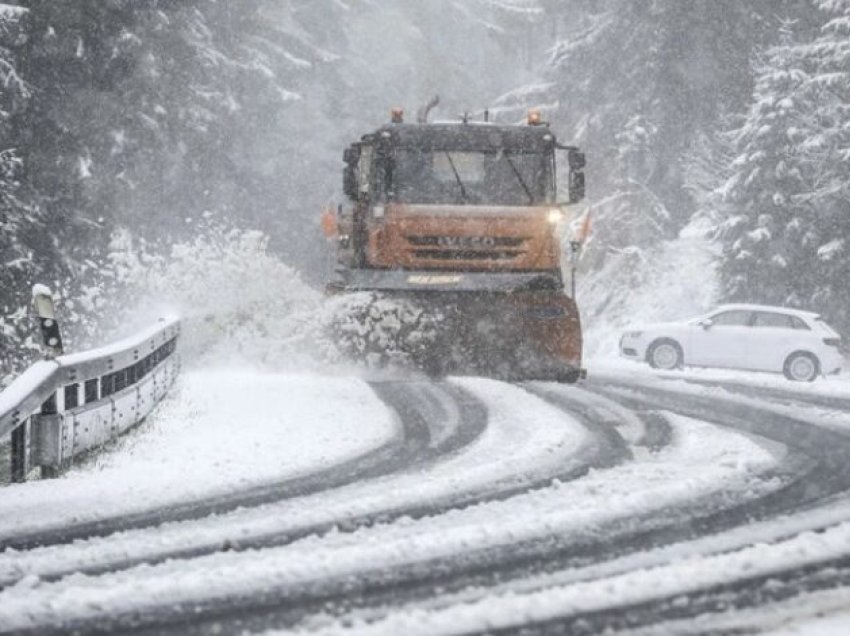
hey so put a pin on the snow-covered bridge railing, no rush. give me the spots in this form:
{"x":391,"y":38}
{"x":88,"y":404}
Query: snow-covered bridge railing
{"x":71,"y":404}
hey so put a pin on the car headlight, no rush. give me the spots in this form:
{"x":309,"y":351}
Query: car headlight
{"x":634,"y":334}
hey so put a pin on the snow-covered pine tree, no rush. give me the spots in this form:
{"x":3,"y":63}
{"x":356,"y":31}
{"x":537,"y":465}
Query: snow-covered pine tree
{"x":636,"y":84}
{"x":767,"y":224}
{"x":828,"y":151}
{"x":787,"y":202}
{"x":20,"y":219}
{"x":78,"y":55}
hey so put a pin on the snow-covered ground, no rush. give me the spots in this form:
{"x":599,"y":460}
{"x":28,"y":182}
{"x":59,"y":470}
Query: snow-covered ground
{"x":216,"y":432}
{"x":829,"y":386}
{"x":669,"y":580}
{"x":513,"y":450}
{"x":256,"y":420}
{"x":675,"y":280}
{"x":524,"y":433}
{"x":291,"y":424}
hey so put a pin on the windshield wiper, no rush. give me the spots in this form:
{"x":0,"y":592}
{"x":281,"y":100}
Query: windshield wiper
{"x":519,"y":178}
{"x":464,"y":198}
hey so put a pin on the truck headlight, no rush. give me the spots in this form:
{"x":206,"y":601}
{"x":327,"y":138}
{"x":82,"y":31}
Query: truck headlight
{"x":556,"y":216}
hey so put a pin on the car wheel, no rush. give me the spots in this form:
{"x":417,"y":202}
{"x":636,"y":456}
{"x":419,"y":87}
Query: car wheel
{"x":802,"y":367}
{"x":665,"y":355}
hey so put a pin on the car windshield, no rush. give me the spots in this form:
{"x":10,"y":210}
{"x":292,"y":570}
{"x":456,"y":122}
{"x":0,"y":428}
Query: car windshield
{"x":470,"y":177}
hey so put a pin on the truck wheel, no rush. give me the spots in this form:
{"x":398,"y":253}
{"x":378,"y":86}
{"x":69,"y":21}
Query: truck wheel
{"x":802,"y":367}
{"x":665,"y":354}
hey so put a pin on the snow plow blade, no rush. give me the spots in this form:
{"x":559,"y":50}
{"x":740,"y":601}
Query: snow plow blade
{"x":510,"y":326}
{"x":440,"y":281}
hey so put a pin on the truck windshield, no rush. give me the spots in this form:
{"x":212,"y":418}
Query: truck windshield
{"x":470,"y":177}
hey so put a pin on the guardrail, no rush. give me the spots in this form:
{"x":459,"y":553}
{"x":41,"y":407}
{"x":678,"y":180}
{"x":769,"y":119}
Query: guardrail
{"x":61,"y":408}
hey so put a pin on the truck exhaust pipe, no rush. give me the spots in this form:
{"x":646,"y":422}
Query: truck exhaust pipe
{"x":422,"y":114}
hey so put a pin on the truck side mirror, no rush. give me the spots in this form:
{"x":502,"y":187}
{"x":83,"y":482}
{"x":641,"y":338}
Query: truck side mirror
{"x":351,"y":157}
{"x":349,"y":182}
{"x":576,"y":161}
{"x":577,"y":189}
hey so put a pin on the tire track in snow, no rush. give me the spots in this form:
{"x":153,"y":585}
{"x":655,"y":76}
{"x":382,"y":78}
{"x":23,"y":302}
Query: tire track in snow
{"x":829,"y":477}
{"x":515,"y":561}
{"x":416,"y":406}
{"x":437,"y":419}
{"x":713,"y":602}
{"x":610,"y":418}
{"x":830,"y":453}
{"x":828,"y":449}
{"x":259,"y":610}
{"x":741,"y":594}
{"x":781,"y":395}
{"x":373,"y":461}
{"x":423,"y":406}
{"x":376,"y":462}
{"x":601,"y":451}
{"x":522,"y":561}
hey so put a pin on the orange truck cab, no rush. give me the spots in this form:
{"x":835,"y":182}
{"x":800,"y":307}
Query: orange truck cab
{"x":467,"y":215}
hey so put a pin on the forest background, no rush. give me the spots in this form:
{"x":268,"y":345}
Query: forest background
{"x":717,"y":132}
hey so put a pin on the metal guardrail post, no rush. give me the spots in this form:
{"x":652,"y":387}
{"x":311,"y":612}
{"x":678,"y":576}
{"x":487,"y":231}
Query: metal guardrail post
{"x":46,"y":428}
{"x":21,"y":453}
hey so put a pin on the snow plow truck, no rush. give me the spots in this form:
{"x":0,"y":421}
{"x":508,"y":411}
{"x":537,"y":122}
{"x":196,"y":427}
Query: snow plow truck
{"x":462,"y":220}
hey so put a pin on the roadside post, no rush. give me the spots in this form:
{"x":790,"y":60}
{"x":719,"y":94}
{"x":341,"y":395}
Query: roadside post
{"x":45,"y":311}
{"x":51,"y":343}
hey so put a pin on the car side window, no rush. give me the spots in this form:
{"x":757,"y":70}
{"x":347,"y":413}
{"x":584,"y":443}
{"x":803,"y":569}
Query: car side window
{"x":731,"y":319}
{"x":771,"y":319}
{"x":798,"y":323}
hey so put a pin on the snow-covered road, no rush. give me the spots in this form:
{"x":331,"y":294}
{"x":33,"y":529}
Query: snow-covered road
{"x":219,"y":432}
{"x":465,"y":506}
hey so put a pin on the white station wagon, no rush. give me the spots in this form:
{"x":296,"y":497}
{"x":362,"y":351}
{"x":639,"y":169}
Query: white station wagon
{"x":754,"y":337}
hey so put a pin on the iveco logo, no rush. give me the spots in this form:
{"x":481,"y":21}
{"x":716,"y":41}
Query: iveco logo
{"x":466,"y":241}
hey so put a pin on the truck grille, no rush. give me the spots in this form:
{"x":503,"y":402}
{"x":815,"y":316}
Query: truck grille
{"x":461,"y":255}
{"x":467,"y":248}
{"x":483,"y":242}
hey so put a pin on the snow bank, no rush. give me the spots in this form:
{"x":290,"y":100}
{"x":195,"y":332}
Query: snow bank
{"x":676,"y":280}
{"x":240,"y":305}
{"x":217,"y":432}
{"x":830,"y":386}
